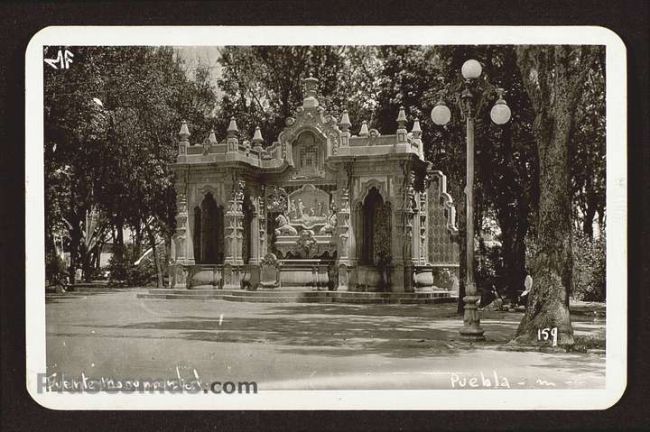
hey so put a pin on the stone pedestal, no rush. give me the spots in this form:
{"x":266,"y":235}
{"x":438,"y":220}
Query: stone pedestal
{"x":423,"y":279}
{"x":232,"y":277}
{"x":471,"y":329}
{"x":178,"y":276}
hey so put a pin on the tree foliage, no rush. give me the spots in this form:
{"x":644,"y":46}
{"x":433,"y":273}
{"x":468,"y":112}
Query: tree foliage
{"x":263,"y":85}
{"x":588,"y":146}
{"x":110,"y":132}
{"x":505,"y":158}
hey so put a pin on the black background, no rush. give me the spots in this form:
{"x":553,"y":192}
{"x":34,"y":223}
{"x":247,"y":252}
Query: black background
{"x":20,"y":21}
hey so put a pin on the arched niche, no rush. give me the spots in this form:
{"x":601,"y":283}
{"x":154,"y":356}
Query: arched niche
{"x":375,"y":229}
{"x":309,"y":154}
{"x":208,"y":231}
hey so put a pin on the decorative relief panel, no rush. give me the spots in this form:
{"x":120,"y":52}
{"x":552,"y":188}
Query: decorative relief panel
{"x":308,"y":206}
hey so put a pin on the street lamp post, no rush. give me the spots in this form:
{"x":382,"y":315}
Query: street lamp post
{"x":441,"y":115}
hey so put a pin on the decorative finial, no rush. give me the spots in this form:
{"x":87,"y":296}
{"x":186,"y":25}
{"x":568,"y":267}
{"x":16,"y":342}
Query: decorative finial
{"x":184,"y":133}
{"x":416,"y":131}
{"x":364,"y":129}
{"x":345,"y":121}
{"x":401,"y":118}
{"x":232,"y":130}
{"x":257,"y":136}
{"x":311,"y":87}
{"x":212,"y":139}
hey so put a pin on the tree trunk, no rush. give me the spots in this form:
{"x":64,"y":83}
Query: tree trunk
{"x":588,"y":223}
{"x":137,"y":244}
{"x":152,"y":240}
{"x":552,"y":84}
{"x":75,"y":243}
{"x":120,"y":234}
{"x":86,"y":263}
{"x":513,"y":253}
{"x":548,"y":300}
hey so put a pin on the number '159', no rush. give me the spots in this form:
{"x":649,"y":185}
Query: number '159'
{"x":547,"y":334}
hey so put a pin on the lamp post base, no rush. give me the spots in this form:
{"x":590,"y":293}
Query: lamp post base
{"x":471,"y":330}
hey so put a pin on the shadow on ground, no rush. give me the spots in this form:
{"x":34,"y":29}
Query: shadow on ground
{"x":398,"y":331}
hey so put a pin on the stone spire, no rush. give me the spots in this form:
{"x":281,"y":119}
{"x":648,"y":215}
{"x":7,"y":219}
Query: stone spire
{"x":364,"y":129}
{"x":311,"y":87}
{"x":257,"y":137}
{"x":184,"y":133}
{"x":212,"y":138}
{"x":401,"y":126}
{"x":345,"y":121}
{"x":232,"y":130}
{"x":401,"y":118}
{"x":345,"y":129}
{"x":416,"y":131}
{"x":232,"y":133}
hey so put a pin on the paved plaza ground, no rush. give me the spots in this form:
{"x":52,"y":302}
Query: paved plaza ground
{"x":302,"y":346}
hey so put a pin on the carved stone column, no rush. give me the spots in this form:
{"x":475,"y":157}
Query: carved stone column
{"x":181,"y":241}
{"x":346,"y":246}
{"x":411,"y":235}
{"x":234,"y":225}
{"x":181,"y":229}
{"x":255,"y":234}
{"x":402,"y":234}
{"x":415,"y":230}
{"x":190,"y":259}
{"x":234,"y":237}
{"x":261,"y":222}
{"x":424,"y":229}
{"x":346,"y":241}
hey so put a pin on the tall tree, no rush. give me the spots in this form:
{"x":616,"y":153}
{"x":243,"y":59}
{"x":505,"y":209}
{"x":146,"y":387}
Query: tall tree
{"x":74,"y":135}
{"x":588,"y":146}
{"x":111,"y":124}
{"x":554,"y":77}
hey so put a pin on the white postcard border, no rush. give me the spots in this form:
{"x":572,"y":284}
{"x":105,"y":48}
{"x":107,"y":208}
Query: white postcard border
{"x":460,"y":399}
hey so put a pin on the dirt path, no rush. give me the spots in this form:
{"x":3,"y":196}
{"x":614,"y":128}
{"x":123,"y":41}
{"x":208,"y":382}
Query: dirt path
{"x":302,"y":346}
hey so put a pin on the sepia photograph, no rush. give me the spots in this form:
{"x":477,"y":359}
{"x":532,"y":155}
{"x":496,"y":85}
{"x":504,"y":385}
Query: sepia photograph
{"x":326,"y":218}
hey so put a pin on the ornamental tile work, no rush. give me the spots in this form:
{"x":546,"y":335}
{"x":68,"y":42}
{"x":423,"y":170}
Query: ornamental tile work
{"x":443,"y":233}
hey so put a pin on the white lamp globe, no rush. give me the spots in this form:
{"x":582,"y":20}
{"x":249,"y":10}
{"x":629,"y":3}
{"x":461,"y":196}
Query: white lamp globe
{"x":471,"y":69}
{"x":440,"y":114}
{"x":500,"y":113}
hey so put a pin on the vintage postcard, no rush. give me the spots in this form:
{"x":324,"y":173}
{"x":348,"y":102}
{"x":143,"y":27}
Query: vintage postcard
{"x":325,"y":218}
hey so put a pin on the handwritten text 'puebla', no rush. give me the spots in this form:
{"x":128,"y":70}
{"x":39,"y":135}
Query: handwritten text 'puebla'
{"x":481,"y":380}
